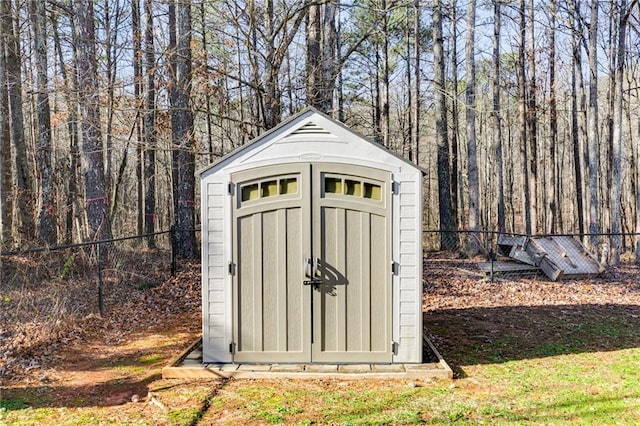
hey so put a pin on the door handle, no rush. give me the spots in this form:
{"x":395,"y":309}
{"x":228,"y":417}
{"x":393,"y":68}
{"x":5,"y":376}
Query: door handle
{"x":308,"y":267}
{"x":311,"y":267}
{"x":311,"y":272}
{"x":316,"y":262}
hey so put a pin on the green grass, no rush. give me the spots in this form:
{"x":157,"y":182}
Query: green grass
{"x":150,"y":359}
{"x":578,"y":388}
{"x":585,"y":388}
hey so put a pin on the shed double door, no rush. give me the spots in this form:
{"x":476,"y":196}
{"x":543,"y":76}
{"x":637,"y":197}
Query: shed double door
{"x":312,"y":264}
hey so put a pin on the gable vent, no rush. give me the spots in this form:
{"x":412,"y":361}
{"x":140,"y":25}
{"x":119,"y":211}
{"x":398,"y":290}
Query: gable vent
{"x":309,"y":129}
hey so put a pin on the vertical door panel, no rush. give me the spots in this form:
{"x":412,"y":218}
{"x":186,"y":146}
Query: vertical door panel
{"x":352,"y":237}
{"x":272,"y":234}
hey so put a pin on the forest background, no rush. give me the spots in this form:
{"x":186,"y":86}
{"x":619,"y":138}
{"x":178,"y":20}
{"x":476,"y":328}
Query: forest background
{"x":524,"y":114}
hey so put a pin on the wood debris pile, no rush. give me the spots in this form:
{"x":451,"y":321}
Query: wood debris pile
{"x":556,"y":256}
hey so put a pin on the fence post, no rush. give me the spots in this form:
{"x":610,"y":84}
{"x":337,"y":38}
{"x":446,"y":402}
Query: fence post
{"x":100,"y":295}
{"x":172,"y":239}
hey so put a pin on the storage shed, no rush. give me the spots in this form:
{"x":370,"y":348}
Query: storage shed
{"x":312,"y":249}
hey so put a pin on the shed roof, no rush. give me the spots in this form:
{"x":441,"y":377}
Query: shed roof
{"x":300,"y":124}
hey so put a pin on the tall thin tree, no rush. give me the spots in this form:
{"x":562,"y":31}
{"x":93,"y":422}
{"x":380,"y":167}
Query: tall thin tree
{"x":616,"y":219}
{"x":448,"y":240}
{"x":137,"y":94}
{"x":415,"y":98}
{"x":552,"y":197}
{"x":532,"y":122}
{"x":23,"y":175}
{"x":497,"y":18}
{"x":183,"y":160}
{"x":522,"y":118}
{"x":473,"y":245}
{"x":6,"y":172}
{"x":150,"y":127}
{"x":594,"y":226}
{"x":576,"y":59}
{"x":47,"y":226}
{"x":89,"y":106}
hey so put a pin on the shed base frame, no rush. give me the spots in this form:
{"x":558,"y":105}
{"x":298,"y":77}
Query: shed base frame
{"x":189,"y":365}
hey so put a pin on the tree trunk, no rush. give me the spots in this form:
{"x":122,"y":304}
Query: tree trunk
{"x":616,"y":220}
{"x":594,"y":146}
{"x":553,"y":124}
{"x":24,"y":185}
{"x":149,"y":128}
{"x":137,"y":94}
{"x":457,"y":193}
{"x":473,"y":246}
{"x":89,"y":107}
{"x":183,"y":163}
{"x":522,"y":118}
{"x":110,"y":49}
{"x":330,"y":62}
{"x":415,"y":98}
{"x":47,"y":227}
{"x":384,"y":98}
{"x":497,"y":117}
{"x":6,"y":172}
{"x":207,"y":95}
{"x":313,"y":64}
{"x":532,"y":125}
{"x":447,"y":238}
{"x":71,"y":165}
{"x":575,"y":128}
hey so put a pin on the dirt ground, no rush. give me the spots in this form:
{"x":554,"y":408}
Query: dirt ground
{"x":76,"y":358}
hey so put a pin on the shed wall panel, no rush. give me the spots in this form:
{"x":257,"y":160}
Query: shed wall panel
{"x":215,"y":306}
{"x":409,"y":305}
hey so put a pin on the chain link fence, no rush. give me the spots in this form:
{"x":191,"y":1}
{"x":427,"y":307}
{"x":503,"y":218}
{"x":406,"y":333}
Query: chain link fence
{"x":116,"y":266}
{"x":52,"y":295}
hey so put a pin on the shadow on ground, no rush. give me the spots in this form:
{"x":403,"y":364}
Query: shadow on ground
{"x":487,"y":335}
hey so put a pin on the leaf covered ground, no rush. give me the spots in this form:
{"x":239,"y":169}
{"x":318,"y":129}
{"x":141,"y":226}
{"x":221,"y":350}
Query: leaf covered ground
{"x":524,"y":351}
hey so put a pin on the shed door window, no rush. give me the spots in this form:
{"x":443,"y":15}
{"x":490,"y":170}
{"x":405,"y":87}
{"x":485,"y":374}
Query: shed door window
{"x":268,"y":188}
{"x":352,"y":186}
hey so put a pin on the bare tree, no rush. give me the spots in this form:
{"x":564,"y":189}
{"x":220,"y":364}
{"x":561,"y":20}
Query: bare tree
{"x":326,"y":53}
{"x":70,"y":165}
{"x":497,"y":115}
{"x":183,"y":161}
{"x":447,"y":239}
{"x":280,"y":29}
{"x":472,"y":156}
{"x":415,"y":98}
{"x":90,"y":122}
{"x":23,"y":174}
{"x":553,"y":124}
{"x":522,"y":119}
{"x":47,"y":227}
{"x":576,"y":59}
{"x":457,"y":192}
{"x":594,"y":227}
{"x":137,"y":94}
{"x":150,"y":127}
{"x":6,"y":173}
{"x":616,"y":220}
{"x":532,"y":123}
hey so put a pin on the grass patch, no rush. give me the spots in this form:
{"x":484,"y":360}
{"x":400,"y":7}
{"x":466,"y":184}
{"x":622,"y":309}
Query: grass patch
{"x":150,"y":359}
{"x":10,"y":404}
{"x":584,"y":388}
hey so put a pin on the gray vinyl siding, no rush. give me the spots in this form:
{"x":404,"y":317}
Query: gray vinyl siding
{"x":409,"y":305}
{"x":214,"y":292}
